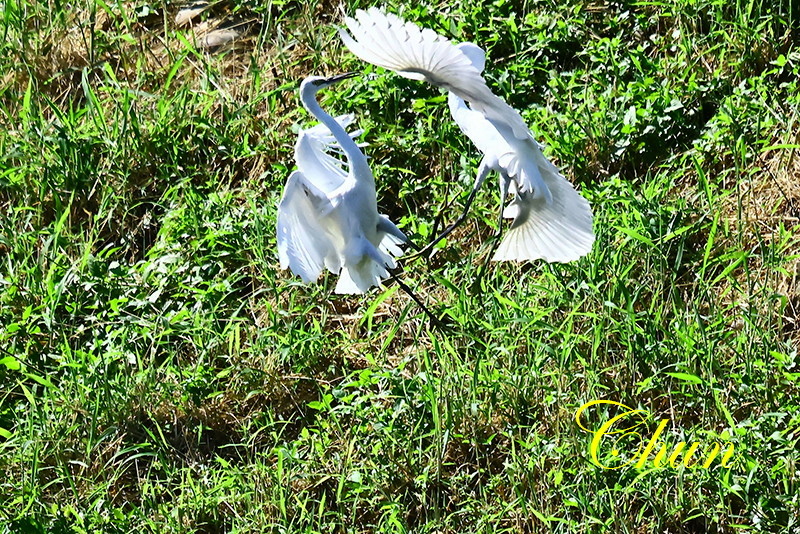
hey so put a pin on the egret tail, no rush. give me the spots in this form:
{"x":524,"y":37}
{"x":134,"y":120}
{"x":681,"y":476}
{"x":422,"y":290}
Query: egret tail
{"x":369,"y":264}
{"x":559,"y":231}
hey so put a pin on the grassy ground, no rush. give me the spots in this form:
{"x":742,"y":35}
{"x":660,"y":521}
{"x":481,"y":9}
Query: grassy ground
{"x":159,"y":373}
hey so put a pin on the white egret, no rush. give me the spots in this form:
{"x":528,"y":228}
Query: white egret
{"x":551,"y":220}
{"x":328,"y":216}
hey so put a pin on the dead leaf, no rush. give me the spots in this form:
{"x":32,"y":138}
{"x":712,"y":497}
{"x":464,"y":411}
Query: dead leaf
{"x":186,"y":14}
{"x":217,"y":38}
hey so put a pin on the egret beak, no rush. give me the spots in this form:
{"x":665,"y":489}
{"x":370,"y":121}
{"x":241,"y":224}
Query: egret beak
{"x":340,"y":77}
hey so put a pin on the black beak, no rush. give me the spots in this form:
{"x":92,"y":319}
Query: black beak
{"x":340,"y":77}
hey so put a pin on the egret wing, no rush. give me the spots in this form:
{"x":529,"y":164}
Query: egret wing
{"x":315,"y":153}
{"x":387,"y":41}
{"x":501,"y":155}
{"x":324,"y":136}
{"x":556,"y":231}
{"x":303,"y":243}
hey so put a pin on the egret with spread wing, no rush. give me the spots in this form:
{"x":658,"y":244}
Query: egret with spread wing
{"x":551,"y":220}
{"x":328,"y":216}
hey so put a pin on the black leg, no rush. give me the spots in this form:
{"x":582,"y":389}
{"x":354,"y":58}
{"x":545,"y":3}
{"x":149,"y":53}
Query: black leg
{"x":483,"y":171}
{"x":410,"y":292}
{"x":505,"y":182}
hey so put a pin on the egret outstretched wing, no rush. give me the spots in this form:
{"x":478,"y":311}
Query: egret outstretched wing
{"x":387,"y":41}
{"x":314,"y":153}
{"x":302,"y":242}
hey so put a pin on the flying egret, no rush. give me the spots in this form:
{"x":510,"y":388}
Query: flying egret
{"x":328,"y":215}
{"x":551,"y":220}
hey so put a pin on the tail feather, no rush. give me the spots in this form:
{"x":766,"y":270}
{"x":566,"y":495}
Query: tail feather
{"x":557,"y":231}
{"x":366,"y":265}
{"x":391,"y":237}
{"x":359,"y":278}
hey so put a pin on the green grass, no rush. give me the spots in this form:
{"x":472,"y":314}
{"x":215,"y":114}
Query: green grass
{"x":159,"y":373}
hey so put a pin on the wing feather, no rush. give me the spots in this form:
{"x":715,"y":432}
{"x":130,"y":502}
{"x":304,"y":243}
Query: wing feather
{"x":314,"y":155}
{"x":387,"y":41}
{"x":560,"y":231}
{"x":302,"y":242}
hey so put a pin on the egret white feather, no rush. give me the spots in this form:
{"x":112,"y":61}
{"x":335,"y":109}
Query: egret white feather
{"x":386,"y":40}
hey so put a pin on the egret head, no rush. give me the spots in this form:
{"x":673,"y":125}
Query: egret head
{"x":475,"y":54}
{"x":312,"y":84}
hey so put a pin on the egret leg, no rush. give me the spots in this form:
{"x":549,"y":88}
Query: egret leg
{"x":434,"y":320}
{"x":483,"y":172}
{"x":505,"y":182}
